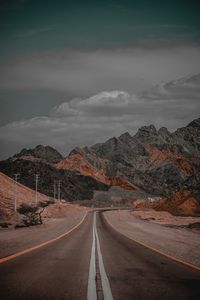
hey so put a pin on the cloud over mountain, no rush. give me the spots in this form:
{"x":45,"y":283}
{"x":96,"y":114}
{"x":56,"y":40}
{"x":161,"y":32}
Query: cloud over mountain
{"x":87,"y":120}
{"x":183,"y":88}
{"x":104,"y":103}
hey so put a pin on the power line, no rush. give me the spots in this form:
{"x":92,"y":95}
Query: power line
{"x":59,"y":184}
{"x":15,"y":192}
{"x":36,"y":187}
{"x":54,"y":190}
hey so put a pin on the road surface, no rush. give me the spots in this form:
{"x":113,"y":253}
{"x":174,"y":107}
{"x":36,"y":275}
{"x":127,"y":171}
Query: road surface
{"x":95,"y":262}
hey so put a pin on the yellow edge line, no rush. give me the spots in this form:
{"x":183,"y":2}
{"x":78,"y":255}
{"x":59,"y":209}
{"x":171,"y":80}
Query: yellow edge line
{"x":10,"y":257}
{"x":156,"y":250}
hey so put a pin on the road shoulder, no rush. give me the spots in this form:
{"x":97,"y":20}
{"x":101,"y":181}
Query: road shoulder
{"x":180,"y":243}
{"x":17,"y":240}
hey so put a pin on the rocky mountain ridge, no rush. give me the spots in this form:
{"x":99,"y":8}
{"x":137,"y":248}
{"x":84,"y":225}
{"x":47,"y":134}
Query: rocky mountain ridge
{"x":40,"y":152}
{"x":154,"y":161}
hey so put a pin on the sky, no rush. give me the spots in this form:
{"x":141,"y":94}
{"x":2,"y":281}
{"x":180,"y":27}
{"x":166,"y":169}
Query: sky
{"x":74,"y":73}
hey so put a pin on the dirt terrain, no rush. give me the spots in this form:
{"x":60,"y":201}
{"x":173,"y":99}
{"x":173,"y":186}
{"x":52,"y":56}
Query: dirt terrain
{"x":58,"y":218}
{"x":160,"y":230}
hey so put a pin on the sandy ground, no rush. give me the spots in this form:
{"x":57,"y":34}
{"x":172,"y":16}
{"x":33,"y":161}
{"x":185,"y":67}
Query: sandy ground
{"x":180,"y":242}
{"x":164,"y":218}
{"x":15,"y":240}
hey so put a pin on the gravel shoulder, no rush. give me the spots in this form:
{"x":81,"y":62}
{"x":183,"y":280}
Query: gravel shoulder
{"x":14,"y":240}
{"x":179,"y":242}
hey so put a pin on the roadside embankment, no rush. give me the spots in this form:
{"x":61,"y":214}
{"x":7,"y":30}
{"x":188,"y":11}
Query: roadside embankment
{"x":58,"y":219}
{"x":165,"y":232}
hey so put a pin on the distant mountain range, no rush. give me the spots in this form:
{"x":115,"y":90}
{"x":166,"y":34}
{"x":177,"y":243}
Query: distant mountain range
{"x":152,"y":161}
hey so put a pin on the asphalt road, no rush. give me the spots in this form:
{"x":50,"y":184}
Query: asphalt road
{"x":124,"y":269}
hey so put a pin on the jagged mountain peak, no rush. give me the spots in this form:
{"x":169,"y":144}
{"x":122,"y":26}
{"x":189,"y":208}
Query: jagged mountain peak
{"x":195,"y":123}
{"x":77,"y":150}
{"x":163,"y":130}
{"x":146,"y":134}
{"x":46,"y":153}
{"x":150,"y":129}
{"x":112,"y":140}
{"x":125,"y":137}
{"x":164,"y":134}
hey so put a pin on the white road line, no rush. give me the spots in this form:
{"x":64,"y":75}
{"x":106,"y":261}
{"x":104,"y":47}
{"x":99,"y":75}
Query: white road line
{"x":104,"y":279}
{"x":92,"y":290}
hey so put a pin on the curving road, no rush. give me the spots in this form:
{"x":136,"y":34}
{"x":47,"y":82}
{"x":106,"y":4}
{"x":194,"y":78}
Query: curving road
{"x":95,"y":262}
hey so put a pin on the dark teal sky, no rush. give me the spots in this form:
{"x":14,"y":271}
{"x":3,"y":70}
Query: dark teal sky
{"x":37,"y":25}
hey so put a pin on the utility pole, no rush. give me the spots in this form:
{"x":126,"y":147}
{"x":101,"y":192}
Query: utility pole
{"x":59,"y":184}
{"x":54,"y":190}
{"x":15,"y":193}
{"x":36,"y":187}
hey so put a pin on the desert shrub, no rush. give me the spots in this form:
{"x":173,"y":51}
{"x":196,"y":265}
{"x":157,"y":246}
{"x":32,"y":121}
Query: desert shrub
{"x":32,"y":214}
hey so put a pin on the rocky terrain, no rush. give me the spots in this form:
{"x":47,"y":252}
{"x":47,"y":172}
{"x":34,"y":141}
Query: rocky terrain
{"x":89,"y":164}
{"x":152,"y":162}
{"x":181,"y":203}
{"x":157,"y":161}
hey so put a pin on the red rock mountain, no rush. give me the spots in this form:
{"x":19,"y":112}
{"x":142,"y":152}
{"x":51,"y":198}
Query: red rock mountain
{"x":92,"y":166}
{"x":181,"y":203}
{"x":156,"y":161}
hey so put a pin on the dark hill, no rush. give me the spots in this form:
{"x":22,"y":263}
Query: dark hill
{"x":74,"y":186}
{"x":45,"y":153}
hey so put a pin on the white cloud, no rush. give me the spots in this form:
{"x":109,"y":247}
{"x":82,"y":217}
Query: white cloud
{"x":65,"y":109}
{"x":113,"y":98}
{"x":112,"y":103}
{"x":183,"y":88}
{"x":85,"y":121}
{"x":104,"y":103}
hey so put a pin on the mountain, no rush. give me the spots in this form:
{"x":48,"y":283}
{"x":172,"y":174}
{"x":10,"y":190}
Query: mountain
{"x":40,"y":152}
{"x":156,"y":161}
{"x":195,"y":124}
